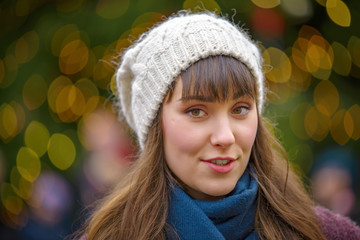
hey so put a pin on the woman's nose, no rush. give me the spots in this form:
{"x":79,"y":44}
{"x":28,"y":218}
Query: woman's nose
{"x":222,"y":133}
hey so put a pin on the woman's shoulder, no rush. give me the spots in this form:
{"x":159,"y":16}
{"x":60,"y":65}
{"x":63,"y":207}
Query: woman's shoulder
{"x":336,"y":226}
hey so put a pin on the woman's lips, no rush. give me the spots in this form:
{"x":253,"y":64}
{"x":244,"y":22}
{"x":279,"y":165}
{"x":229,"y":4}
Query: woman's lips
{"x":220,"y":164}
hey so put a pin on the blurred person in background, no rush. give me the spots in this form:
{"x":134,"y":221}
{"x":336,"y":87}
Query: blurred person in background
{"x":192,"y":89}
{"x":51,"y":205}
{"x":110,"y":153}
{"x":334,"y":177}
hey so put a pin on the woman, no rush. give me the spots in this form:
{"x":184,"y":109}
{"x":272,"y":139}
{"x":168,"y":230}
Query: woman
{"x":192,"y":89}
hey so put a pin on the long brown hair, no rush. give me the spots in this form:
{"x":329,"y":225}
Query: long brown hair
{"x":137,"y":208}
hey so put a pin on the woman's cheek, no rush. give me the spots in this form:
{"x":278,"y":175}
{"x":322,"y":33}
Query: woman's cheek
{"x":185,"y":136}
{"x":247,"y":135}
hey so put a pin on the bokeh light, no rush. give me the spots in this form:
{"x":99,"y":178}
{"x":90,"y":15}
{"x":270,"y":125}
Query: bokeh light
{"x":10,"y":71}
{"x":354,"y":49}
{"x":61,"y":151}
{"x":316,"y":124}
{"x":26,"y":47}
{"x":8,"y":122}
{"x":37,"y":137}
{"x":337,"y":127}
{"x":326,"y":98}
{"x":280,"y":63}
{"x":28,"y":164}
{"x":354,"y":114}
{"x":298,"y":9}
{"x":342,"y":59}
{"x":266,"y":3}
{"x":63,"y":36}
{"x":297,"y":119}
{"x":10,"y":200}
{"x":338,"y":12}
{"x":73,"y":57}
{"x":20,"y":185}
{"x":268,"y":23}
{"x":34,"y":92}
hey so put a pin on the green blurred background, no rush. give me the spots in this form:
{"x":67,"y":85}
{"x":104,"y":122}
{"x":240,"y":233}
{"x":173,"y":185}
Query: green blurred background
{"x":61,"y":147}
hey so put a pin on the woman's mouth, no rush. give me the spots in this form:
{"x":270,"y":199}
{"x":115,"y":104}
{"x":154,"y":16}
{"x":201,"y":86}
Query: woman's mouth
{"x":220,"y":165}
{"x":220,"y":162}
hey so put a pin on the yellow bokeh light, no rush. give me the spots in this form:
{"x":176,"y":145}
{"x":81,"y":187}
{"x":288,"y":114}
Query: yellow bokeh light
{"x":37,"y":137}
{"x":111,"y":9}
{"x":317,"y":54}
{"x":316,"y":124}
{"x":55,"y":88}
{"x":348,"y":124}
{"x":63,"y":36}
{"x":12,"y":120}
{"x":21,"y":187}
{"x":73,"y":57}
{"x":8,"y":122}
{"x":10,"y":200}
{"x":61,"y":151}
{"x":280,"y":65}
{"x":342,"y":59}
{"x":102,"y":75}
{"x":34,"y":92}
{"x":20,"y":114}
{"x":201,"y":5}
{"x":90,"y":93}
{"x":279,"y":92}
{"x":298,"y":56}
{"x":300,"y":80}
{"x":307,"y":32}
{"x":337,"y":127}
{"x":319,"y":57}
{"x":70,"y":104}
{"x":297,"y":120}
{"x":338,"y":12}
{"x":326,"y":98}
{"x":92,"y":103}
{"x":26,"y":47}
{"x":354,"y":49}
{"x":10,"y":71}
{"x":354,"y":112}
{"x":266,"y":3}
{"x":28,"y":164}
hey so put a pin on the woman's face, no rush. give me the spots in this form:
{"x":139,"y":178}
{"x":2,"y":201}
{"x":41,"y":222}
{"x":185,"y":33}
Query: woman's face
{"x":207,"y":144}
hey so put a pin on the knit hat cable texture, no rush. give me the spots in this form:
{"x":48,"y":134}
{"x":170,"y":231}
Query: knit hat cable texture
{"x":150,"y":65}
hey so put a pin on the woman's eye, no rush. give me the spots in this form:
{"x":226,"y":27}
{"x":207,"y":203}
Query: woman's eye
{"x":241,"y":110}
{"x":196,"y":112}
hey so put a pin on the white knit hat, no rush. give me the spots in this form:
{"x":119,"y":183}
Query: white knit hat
{"x":151,"y":64}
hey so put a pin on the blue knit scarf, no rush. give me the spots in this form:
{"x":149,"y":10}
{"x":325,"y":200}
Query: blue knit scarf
{"x":229,"y":218}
